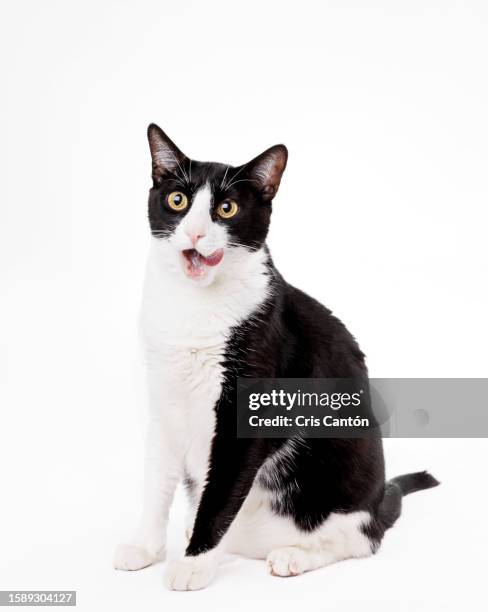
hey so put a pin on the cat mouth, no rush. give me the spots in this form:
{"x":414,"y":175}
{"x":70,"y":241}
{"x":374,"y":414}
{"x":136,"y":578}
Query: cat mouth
{"x":196,"y":264}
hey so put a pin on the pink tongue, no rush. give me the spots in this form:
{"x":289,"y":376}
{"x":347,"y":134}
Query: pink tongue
{"x":214,"y":258}
{"x":197,"y":262}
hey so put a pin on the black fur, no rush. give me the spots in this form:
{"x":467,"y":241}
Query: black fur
{"x":292,"y":335}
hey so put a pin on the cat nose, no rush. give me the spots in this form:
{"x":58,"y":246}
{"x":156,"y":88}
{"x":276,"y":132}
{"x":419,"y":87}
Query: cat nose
{"x":195,"y":237}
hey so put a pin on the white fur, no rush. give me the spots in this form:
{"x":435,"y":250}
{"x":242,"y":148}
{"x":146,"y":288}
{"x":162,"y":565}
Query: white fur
{"x":198,"y":222}
{"x":257,"y":532}
{"x":185,"y":326}
{"x":197,"y":230}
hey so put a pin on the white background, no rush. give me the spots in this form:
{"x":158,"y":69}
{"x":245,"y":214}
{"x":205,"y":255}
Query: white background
{"x":381,"y":215}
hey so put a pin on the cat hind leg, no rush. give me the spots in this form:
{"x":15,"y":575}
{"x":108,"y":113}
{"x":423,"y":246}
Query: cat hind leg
{"x":341,"y":537}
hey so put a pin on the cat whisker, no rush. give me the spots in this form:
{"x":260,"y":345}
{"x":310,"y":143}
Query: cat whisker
{"x":235,"y":175}
{"x":185,"y":176}
{"x":223,"y":180}
{"x":175,"y":180}
{"x":240,"y":181}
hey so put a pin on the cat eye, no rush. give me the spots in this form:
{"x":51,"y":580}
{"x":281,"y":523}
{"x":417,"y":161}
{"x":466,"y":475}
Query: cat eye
{"x":177,"y":200}
{"x":227,"y":209}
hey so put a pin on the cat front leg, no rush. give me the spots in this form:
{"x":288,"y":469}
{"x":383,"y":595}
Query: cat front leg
{"x":233,"y":466}
{"x":163,"y":471}
{"x":162,"y":474}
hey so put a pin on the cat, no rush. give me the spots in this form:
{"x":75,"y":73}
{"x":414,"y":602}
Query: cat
{"x":215,"y":308}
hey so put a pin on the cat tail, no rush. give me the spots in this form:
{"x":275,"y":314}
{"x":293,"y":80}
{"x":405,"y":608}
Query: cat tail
{"x":390,"y":507}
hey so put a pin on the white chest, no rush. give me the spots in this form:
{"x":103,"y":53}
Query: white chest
{"x":185,"y":330}
{"x":178,"y":313}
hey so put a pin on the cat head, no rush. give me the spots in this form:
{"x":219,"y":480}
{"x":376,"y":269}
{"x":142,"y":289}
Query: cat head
{"x":205,"y":213}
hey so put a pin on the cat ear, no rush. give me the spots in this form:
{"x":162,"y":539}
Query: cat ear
{"x":166,"y":157}
{"x":266,"y":170}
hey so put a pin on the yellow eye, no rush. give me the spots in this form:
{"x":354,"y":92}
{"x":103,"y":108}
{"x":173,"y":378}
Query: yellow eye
{"x":227,"y":209}
{"x":177,"y":200}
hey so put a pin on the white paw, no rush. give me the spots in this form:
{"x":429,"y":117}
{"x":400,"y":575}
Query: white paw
{"x":288,"y":561}
{"x":189,"y":574}
{"x":131,"y":557}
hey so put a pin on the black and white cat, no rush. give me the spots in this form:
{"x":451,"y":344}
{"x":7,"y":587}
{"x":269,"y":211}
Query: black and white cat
{"x":216,"y":308}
